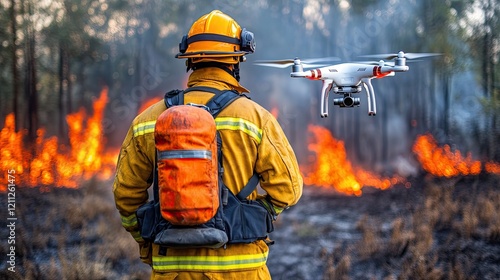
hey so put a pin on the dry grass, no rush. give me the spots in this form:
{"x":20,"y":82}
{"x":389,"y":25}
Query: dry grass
{"x":400,"y":238}
{"x":370,"y":242}
{"x":429,"y":243}
{"x":336,"y":269}
{"x":75,"y":234}
{"x":421,"y":267}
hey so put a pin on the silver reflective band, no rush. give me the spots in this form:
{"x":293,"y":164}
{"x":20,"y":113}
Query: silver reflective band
{"x":203,"y":154}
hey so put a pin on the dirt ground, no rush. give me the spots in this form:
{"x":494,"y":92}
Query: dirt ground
{"x":421,"y":232}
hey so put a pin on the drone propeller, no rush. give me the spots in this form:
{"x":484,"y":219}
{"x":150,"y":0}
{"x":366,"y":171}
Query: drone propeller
{"x":380,"y":63}
{"x":401,"y":55}
{"x":306,"y":63}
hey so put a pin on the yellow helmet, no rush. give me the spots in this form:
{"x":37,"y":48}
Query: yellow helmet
{"x":216,"y":37}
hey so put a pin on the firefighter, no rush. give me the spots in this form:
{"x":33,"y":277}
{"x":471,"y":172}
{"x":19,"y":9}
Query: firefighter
{"x":253,"y":141}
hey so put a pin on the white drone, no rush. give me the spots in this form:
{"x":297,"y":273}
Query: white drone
{"x":346,"y":78}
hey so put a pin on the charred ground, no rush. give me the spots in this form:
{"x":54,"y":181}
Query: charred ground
{"x":437,"y":229}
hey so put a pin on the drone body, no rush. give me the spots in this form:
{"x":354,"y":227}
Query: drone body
{"x":347,"y":78}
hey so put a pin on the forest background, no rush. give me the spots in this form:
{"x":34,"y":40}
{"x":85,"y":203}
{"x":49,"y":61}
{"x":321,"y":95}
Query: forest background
{"x":56,"y":57}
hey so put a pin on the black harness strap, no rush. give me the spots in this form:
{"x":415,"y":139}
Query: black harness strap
{"x":207,"y":89}
{"x":174,"y":97}
{"x":249,"y":187}
{"x":155,"y":180}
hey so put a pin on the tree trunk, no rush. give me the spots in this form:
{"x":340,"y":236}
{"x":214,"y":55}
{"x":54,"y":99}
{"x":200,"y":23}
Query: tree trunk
{"x":30,"y":81}
{"x":433,"y":108}
{"x":385,"y":129}
{"x":446,"y":89}
{"x":62,"y":77}
{"x":15,"y":72}
{"x":69,"y":96}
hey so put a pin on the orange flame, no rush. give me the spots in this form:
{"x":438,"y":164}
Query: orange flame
{"x":53,"y":164}
{"x":12,"y":151}
{"x":441,"y":161}
{"x":492,"y":167}
{"x":148,"y":103}
{"x":331,"y":168}
{"x":275,"y":112}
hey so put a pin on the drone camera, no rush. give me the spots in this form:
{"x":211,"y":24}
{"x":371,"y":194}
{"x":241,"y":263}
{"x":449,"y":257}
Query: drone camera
{"x":347,"y":101}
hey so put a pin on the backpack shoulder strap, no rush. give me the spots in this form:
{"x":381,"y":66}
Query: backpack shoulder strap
{"x":174,"y":97}
{"x":217,"y":103}
{"x":200,"y":88}
{"x":221,"y":100}
{"x":156,"y":194}
{"x":249,"y":187}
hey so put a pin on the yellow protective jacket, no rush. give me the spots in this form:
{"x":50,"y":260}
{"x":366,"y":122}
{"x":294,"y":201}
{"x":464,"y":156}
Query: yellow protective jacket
{"x":252,"y":141}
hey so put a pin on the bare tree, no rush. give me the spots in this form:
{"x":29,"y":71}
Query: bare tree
{"x":15,"y":72}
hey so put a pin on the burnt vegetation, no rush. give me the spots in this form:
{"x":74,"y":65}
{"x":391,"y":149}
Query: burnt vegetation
{"x":436,"y":229}
{"x":72,"y":234}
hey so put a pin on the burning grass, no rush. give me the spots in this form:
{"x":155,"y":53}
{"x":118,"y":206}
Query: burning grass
{"x":329,"y":166}
{"x":49,"y":163}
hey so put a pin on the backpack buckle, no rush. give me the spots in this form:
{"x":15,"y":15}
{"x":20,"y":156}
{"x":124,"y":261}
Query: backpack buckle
{"x":200,"y":106}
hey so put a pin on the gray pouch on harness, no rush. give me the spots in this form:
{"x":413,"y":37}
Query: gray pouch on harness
{"x":208,"y":235}
{"x":192,"y":237}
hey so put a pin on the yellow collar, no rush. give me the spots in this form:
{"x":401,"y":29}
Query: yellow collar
{"x":216,"y":78}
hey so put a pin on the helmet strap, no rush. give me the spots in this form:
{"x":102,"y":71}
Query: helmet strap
{"x":235,"y":72}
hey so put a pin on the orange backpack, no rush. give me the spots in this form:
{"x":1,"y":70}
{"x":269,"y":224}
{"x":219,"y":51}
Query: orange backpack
{"x":192,"y":207}
{"x":186,"y":139}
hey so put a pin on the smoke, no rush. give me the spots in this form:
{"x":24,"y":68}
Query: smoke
{"x":467,"y":113}
{"x":311,"y":29}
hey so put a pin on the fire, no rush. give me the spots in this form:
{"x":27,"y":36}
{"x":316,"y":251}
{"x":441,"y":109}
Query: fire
{"x":275,"y":112}
{"x":148,"y":103}
{"x":441,"y":161}
{"x":492,"y":167}
{"x":50,"y":163}
{"x":331,"y":168}
{"x":12,"y":151}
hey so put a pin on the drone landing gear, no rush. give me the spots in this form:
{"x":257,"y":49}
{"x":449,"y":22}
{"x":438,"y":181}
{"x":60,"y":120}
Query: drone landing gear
{"x":370,"y":94}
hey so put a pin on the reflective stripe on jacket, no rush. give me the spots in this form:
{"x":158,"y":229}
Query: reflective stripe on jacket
{"x":209,"y":262}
